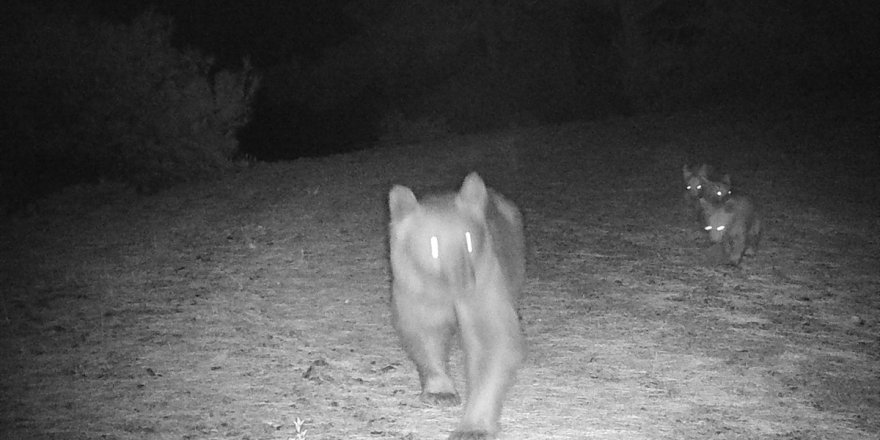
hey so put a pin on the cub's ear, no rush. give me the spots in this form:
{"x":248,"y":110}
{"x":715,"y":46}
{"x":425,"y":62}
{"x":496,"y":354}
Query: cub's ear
{"x":401,"y":202}
{"x":473,"y":193}
{"x":705,"y":170}
{"x":726,"y":179}
{"x":686,"y":172}
{"x":705,"y":204}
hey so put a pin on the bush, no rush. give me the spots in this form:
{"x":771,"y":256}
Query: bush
{"x":115,"y":102}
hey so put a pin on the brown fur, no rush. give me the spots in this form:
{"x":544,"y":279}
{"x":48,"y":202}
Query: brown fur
{"x":472,"y":292}
{"x":734,"y":225}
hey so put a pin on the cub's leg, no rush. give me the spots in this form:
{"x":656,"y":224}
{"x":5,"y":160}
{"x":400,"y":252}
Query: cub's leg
{"x":737,"y":245}
{"x":426,"y":329}
{"x":692,"y":207}
{"x":494,"y":348}
{"x":754,"y":237}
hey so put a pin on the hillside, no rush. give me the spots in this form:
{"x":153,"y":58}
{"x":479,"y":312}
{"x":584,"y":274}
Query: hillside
{"x":231,"y":308}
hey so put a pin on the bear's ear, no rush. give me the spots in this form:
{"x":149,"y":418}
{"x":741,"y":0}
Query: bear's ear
{"x":473,"y":193}
{"x":401,"y":202}
{"x":686,"y":172}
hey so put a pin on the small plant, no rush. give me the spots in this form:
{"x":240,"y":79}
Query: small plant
{"x":300,"y":433}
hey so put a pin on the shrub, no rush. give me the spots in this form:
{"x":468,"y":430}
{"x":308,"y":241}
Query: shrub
{"x":116,"y":102}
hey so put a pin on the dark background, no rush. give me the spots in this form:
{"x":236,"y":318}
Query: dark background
{"x":334,"y":67}
{"x":340,"y":75}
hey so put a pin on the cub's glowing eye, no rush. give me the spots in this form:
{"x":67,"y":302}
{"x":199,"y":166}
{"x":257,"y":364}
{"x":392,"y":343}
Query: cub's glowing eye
{"x":688,"y":187}
{"x":435,"y":247}
{"x":699,"y":186}
{"x":721,"y":228}
{"x":708,"y":228}
{"x":467,"y":239}
{"x":720,"y":193}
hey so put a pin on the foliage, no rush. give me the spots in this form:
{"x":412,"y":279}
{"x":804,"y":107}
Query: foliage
{"x":115,"y":101}
{"x":486,"y":64}
{"x":680,"y":53}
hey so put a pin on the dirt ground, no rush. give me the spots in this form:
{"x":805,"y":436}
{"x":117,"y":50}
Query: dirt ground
{"x":233,"y":308}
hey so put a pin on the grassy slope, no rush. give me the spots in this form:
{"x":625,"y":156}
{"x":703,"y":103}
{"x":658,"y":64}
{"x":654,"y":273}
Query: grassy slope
{"x":229,"y":309}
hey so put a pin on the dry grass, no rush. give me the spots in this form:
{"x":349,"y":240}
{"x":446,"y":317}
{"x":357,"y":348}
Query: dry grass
{"x":230,"y":309}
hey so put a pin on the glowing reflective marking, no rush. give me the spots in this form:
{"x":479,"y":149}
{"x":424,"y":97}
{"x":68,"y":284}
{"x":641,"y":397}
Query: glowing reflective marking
{"x":467,"y":238}
{"x":435,"y":247}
